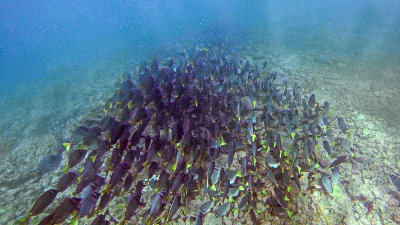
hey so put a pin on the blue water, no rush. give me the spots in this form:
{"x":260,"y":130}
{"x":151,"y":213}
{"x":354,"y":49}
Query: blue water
{"x":55,"y":56}
{"x":37,"y":35}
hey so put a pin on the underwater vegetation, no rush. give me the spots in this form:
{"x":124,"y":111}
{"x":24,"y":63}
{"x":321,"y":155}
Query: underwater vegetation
{"x":203,"y":127}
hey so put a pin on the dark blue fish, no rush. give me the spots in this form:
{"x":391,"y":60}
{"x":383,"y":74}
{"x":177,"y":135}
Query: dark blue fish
{"x":104,"y":200}
{"x":88,"y":204}
{"x":342,"y":125}
{"x":49,"y":163}
{"x":43,"y":201}
{"x":338,"y":161}
{"x":133,"y":204}
{"x":311,"y":101}
{"x":327,"y":147}
{"x":128,"y":182}
{"x":76,"y":157}
{"x":396,"y":181}
{"x":64,"y":210}
{"x":67,"y":180}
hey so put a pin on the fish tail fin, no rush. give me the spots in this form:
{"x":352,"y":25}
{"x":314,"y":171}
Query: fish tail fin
{"x":24,"y":220}
{"x":66,"y":169}
{"x":107,"y":190}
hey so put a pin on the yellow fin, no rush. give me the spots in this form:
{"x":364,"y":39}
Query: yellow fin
{"x":93,"y":158}
{"x":130,"y":106}
{"x":174,"y":166}
{"x":81,"y":170}
{"x":75,"y":221}
{"x":67,"y":146}
{"x":213,"y":187}
{"x":66,"y":169}
{"x":223,"y":143}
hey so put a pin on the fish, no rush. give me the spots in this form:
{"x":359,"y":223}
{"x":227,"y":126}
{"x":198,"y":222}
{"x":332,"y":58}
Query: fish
{"x":118,"y":173}
{"x":163,"y":180}
{"x":152,"y":169}
{"x":177,"y":183}
{"x":233,"y":192}
{"x":199,"y":219}
{"x":345,"y":145}
{"x":296,"y":178}
{"x":128,"y":182}
{"x":176,"y":203}
{"x":206,"y":207}
{"x":136,"y":136}
{"x":395,"y":181}
{"x":272,"y":162}
{"x":198,"y":107}
{"x":244,"y":165}
{"x":99,"y":220}
{"x":286,"y":178}
{"x":215,"y":175}
{"x":67,"y":180}
{"x":327,"y":147}
{"x":107,"y":122}
{"x":104,"y":200}
{"x":129,"y":157}
{"x":326,"y":181}
{"x":187,"y":139}
{"x":85,"y":181}
{"x":231,"y":176}
{"x":133,"y":204}
{"x":244,"y":201}
{"x":117,"y":132}
{"x":223,"y":210}
{"x":64,"y":210}
{"x":88,"y":204}
{"x":253,"y":217}
{"x":49,"y":163}
{"x":311,"y":101}
{"x":326,"y":108}
{"x":140,"y":115}
{"x":78,"y":134}
{"x":338,"y":161}
{"x":76,"y":157}
{"x":271,"y":177}
{"x":335,"y":175}
{"x":139,"y":187}
{"x":280,"y":197}
{"x":44,"y":200}
{"x":156,"y":203}
{"x":231,"y":155}
{"x":127,"y":85}
{"x":46,"y":220}
{"x":342,"y":125}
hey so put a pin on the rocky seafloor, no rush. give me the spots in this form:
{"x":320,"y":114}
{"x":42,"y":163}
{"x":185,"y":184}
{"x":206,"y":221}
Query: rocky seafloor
{"x":367,"y":194}
{"x":365,"y":95}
